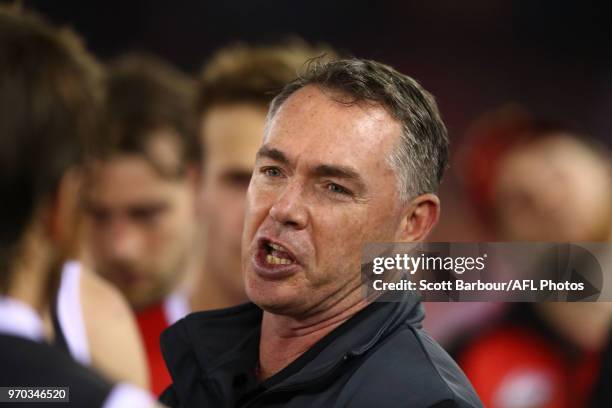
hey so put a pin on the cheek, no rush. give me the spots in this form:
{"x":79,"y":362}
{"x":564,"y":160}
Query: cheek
{"x":168,"y":244}
{"x":588,"y":201}
{"x":341,"y":234}
{"x":98,"y":240}
{"x":223,"y":209}
{"x":338,"y":236}
{"x":170,"y":231}
{"x":235,"y":210}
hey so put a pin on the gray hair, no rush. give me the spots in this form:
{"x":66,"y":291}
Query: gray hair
{"x":421,"y":156}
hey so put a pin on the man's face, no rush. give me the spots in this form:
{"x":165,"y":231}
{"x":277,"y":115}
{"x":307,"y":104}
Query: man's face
{"x":554,"y":189}
{"x":321,"y":188}
{"x":232,"y":134}
{"x":140,"y":226}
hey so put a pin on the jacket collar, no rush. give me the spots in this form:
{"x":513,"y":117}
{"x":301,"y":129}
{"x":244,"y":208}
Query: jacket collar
{"x":19,"y":319}
{"x":215,"y":345}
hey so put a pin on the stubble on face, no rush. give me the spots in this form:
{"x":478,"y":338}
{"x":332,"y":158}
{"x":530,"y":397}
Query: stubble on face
{"x":322,"y":187}
{"x":138,"y":227}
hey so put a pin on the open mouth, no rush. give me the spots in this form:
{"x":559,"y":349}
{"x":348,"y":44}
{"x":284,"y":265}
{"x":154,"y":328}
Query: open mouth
{"x":276,"y":254}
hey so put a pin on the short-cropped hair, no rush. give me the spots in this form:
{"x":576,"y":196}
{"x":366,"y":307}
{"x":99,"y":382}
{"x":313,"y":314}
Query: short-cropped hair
{"x":421,"y":156}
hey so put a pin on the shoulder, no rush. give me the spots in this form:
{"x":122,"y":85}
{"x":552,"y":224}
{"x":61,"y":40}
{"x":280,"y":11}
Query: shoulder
{"x":101,"y":297}
{"x":169,"y":397}
{"x":28,"y":363}
{"x":115,"y":344}
{"x":408,"y":368}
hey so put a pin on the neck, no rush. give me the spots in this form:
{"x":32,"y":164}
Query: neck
{"x":285,"y":338}
{"x":30,"y":275}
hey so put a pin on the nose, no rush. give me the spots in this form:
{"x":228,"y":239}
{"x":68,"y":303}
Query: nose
{"x":289,"y":208}
{"x":123,"y":242}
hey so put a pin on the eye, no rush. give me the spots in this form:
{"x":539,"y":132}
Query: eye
{"x":271,"y":171}
{"x":147,"y":214}
{"x":338,"y":189}
{"x":238,"y":179}
{"x":98,"y":215}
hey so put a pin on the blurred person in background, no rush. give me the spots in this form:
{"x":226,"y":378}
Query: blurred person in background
{"x":234,"y":91}
{"x":140,"y":195}
{"x":538,"y":181}
{"x":88,"y":317}
{"x":50,"y":96}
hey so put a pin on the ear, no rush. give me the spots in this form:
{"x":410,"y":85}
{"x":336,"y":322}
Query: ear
{"x":62,"y":216}
{"x":419,"y":217}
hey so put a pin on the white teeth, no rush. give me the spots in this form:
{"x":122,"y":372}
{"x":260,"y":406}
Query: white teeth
{"x":271,"y":259}
{"x":277,"y":247}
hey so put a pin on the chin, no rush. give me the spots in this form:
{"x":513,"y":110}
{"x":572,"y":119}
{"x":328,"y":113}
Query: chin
{"x":273,"y":297}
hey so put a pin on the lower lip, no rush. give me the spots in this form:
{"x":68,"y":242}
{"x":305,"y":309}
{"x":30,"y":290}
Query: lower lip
{"x":272,"y":271}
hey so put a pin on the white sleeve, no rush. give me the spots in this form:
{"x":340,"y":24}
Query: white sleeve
{"x":125,"y":395}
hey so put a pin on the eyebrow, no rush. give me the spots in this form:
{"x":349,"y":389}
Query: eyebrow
{"x":340,"y":172}
{"x":272,"y":153}
{"x":343,"y":172}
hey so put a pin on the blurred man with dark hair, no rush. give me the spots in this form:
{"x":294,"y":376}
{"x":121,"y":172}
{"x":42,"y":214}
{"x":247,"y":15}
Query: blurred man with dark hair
{"x":353,"y":152}
{"x":141,"y":192}
{"x":234,"y":91}
{"x":49,"y":94}
{"x":539,"y":181}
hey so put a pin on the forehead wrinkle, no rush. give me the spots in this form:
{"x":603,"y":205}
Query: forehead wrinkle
{"x":317,"y":118}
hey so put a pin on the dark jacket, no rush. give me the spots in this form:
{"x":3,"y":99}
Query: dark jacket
{"x":26,"y":363}
{"x":381,"y":357}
